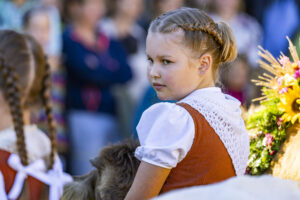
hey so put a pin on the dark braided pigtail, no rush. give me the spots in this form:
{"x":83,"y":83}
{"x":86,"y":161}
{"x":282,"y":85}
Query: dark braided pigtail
{"x":48,"y":110}
{"x":13,"y":97}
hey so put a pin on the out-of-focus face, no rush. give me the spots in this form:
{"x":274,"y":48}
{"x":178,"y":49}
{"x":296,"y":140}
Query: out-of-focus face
{"x":19,"y":2}
{"x":172,"y":72}
{"x":227,"y":5}
{"x":39,"y":28}
{"x":50,"y":2}
{"x":92,"y":11}
{"x":169,"y":5}
{"x":130,"y":8}
{"x":238,"y":75}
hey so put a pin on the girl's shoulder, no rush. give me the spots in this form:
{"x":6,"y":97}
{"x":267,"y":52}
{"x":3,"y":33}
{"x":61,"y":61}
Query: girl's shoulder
{"x":164,"y":111}
{"x":166,"y":132}
{"x":169,"y":118}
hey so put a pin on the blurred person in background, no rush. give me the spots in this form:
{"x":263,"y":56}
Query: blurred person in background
{"x":163,"y":6}
{"x":280,"y":19}
{"x":11,"y":13}
{"x":94,"y":63}
{"x":235,"y":78}
{"x":247,"y":32}
{"x":121,"y":25}
{"x":54,"y":47}
{"x":246,"y":29}
{"x":157,"y":7}
{"x":43,"y":23}
{"x":200,"y":4}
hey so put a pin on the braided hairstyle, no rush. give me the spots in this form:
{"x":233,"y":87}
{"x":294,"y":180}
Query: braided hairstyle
{"x":25,"y":84}
{"x":201,"y":34}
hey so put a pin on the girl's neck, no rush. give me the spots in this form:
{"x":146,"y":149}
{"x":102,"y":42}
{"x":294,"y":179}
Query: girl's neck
{"x":207,"y":81}
{"x":6,"y":121}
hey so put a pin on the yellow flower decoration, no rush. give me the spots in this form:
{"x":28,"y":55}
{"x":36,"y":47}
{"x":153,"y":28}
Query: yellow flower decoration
{"x":289,"y":80}
{"x":282,"y":82}
{"x":290,"y":104}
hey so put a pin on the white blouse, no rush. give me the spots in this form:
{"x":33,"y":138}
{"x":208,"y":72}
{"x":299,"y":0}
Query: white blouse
{"x":37,"y":143}
{"x":166,"y":131}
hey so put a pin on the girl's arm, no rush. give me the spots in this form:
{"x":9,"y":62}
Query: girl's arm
{"x":148,"y":182}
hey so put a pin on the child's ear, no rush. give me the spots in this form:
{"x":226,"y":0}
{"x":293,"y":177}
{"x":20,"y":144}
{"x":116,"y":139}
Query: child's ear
{"x":205,"y":63}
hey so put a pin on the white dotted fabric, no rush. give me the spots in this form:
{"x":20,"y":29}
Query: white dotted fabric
{"x":223,"y":114}
{"x":37,"y":143}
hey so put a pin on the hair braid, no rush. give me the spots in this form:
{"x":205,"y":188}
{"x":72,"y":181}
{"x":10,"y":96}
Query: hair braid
{"x":12,"y":95}
{"x":48,"y":110}
{"x":210,"y":28}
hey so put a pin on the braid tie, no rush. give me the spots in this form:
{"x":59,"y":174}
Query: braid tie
{"x":12,"y":96}
{"x":210,"y":28}
{"x":48,"y":110}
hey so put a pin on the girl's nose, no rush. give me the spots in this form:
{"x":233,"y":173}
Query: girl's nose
{"x":154,"y":71}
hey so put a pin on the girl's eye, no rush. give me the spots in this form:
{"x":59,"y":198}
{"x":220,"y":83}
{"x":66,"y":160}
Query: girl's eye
{"x":166,"y":62}
{"x":150,"y":61}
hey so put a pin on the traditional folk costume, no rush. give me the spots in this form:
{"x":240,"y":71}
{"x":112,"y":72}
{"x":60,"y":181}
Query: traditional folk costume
{"x":202,"y":138}
{"x":31,"y":181}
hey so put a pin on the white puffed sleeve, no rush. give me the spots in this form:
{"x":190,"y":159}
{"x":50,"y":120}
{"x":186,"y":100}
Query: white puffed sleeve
{"x":166,"y":132}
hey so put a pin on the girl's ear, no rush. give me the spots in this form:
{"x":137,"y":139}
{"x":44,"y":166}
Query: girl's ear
{"x":205,"y":63}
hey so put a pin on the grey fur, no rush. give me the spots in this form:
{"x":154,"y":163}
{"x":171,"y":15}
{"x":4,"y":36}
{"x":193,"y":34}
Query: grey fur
{"x":115,"y":166}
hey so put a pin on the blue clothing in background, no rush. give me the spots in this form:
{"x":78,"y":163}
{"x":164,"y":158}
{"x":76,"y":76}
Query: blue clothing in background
{"x":11,"y":15}
{"x":90,"y":104}
{"x":92,"y":71}
{"x":148,"y":100}
{"x":281,"y":19}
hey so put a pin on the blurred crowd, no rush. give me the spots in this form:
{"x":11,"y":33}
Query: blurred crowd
{"x":96,"y":50}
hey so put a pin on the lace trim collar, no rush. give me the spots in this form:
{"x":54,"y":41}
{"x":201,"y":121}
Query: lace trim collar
{"x":223,"y":114}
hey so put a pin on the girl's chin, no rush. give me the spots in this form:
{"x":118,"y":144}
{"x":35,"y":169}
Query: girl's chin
{"x":161,"y":96}
{"x":164,"y":97}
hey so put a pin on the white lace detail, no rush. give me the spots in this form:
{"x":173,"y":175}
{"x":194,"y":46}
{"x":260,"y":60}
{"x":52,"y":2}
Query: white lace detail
{"x":223,"y":114}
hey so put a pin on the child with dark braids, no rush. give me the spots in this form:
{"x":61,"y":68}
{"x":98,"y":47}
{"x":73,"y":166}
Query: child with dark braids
{"x":29,"y":165}
{"x":200,"y":139}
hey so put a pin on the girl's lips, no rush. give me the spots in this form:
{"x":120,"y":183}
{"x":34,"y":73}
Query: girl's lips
{"x":158,"y":86}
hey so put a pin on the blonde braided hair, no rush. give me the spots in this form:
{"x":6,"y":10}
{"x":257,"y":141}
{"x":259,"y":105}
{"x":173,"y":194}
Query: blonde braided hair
{"x":201,"y":34}
{"x":210,"y":28}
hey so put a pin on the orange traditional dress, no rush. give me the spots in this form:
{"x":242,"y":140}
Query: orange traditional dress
{"x":202,"y":139}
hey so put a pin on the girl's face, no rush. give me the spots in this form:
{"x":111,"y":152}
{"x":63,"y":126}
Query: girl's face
{"x":39,"y":28}
{"x":172,"y":72}
{"x":238,"y":75}
{"x":228,"y":5}
{"x":92,"y":11}
{"x":168,"y":5}
{"x":130,"y":8}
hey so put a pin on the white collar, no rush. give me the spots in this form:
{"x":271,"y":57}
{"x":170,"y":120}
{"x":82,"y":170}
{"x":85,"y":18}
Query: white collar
{"x":215,"y":96}
{"x":10,"y":129}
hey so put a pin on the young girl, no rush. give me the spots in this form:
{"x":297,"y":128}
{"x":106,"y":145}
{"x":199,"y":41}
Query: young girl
{"x":28,"y":160}
{"x":202,"y":138}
